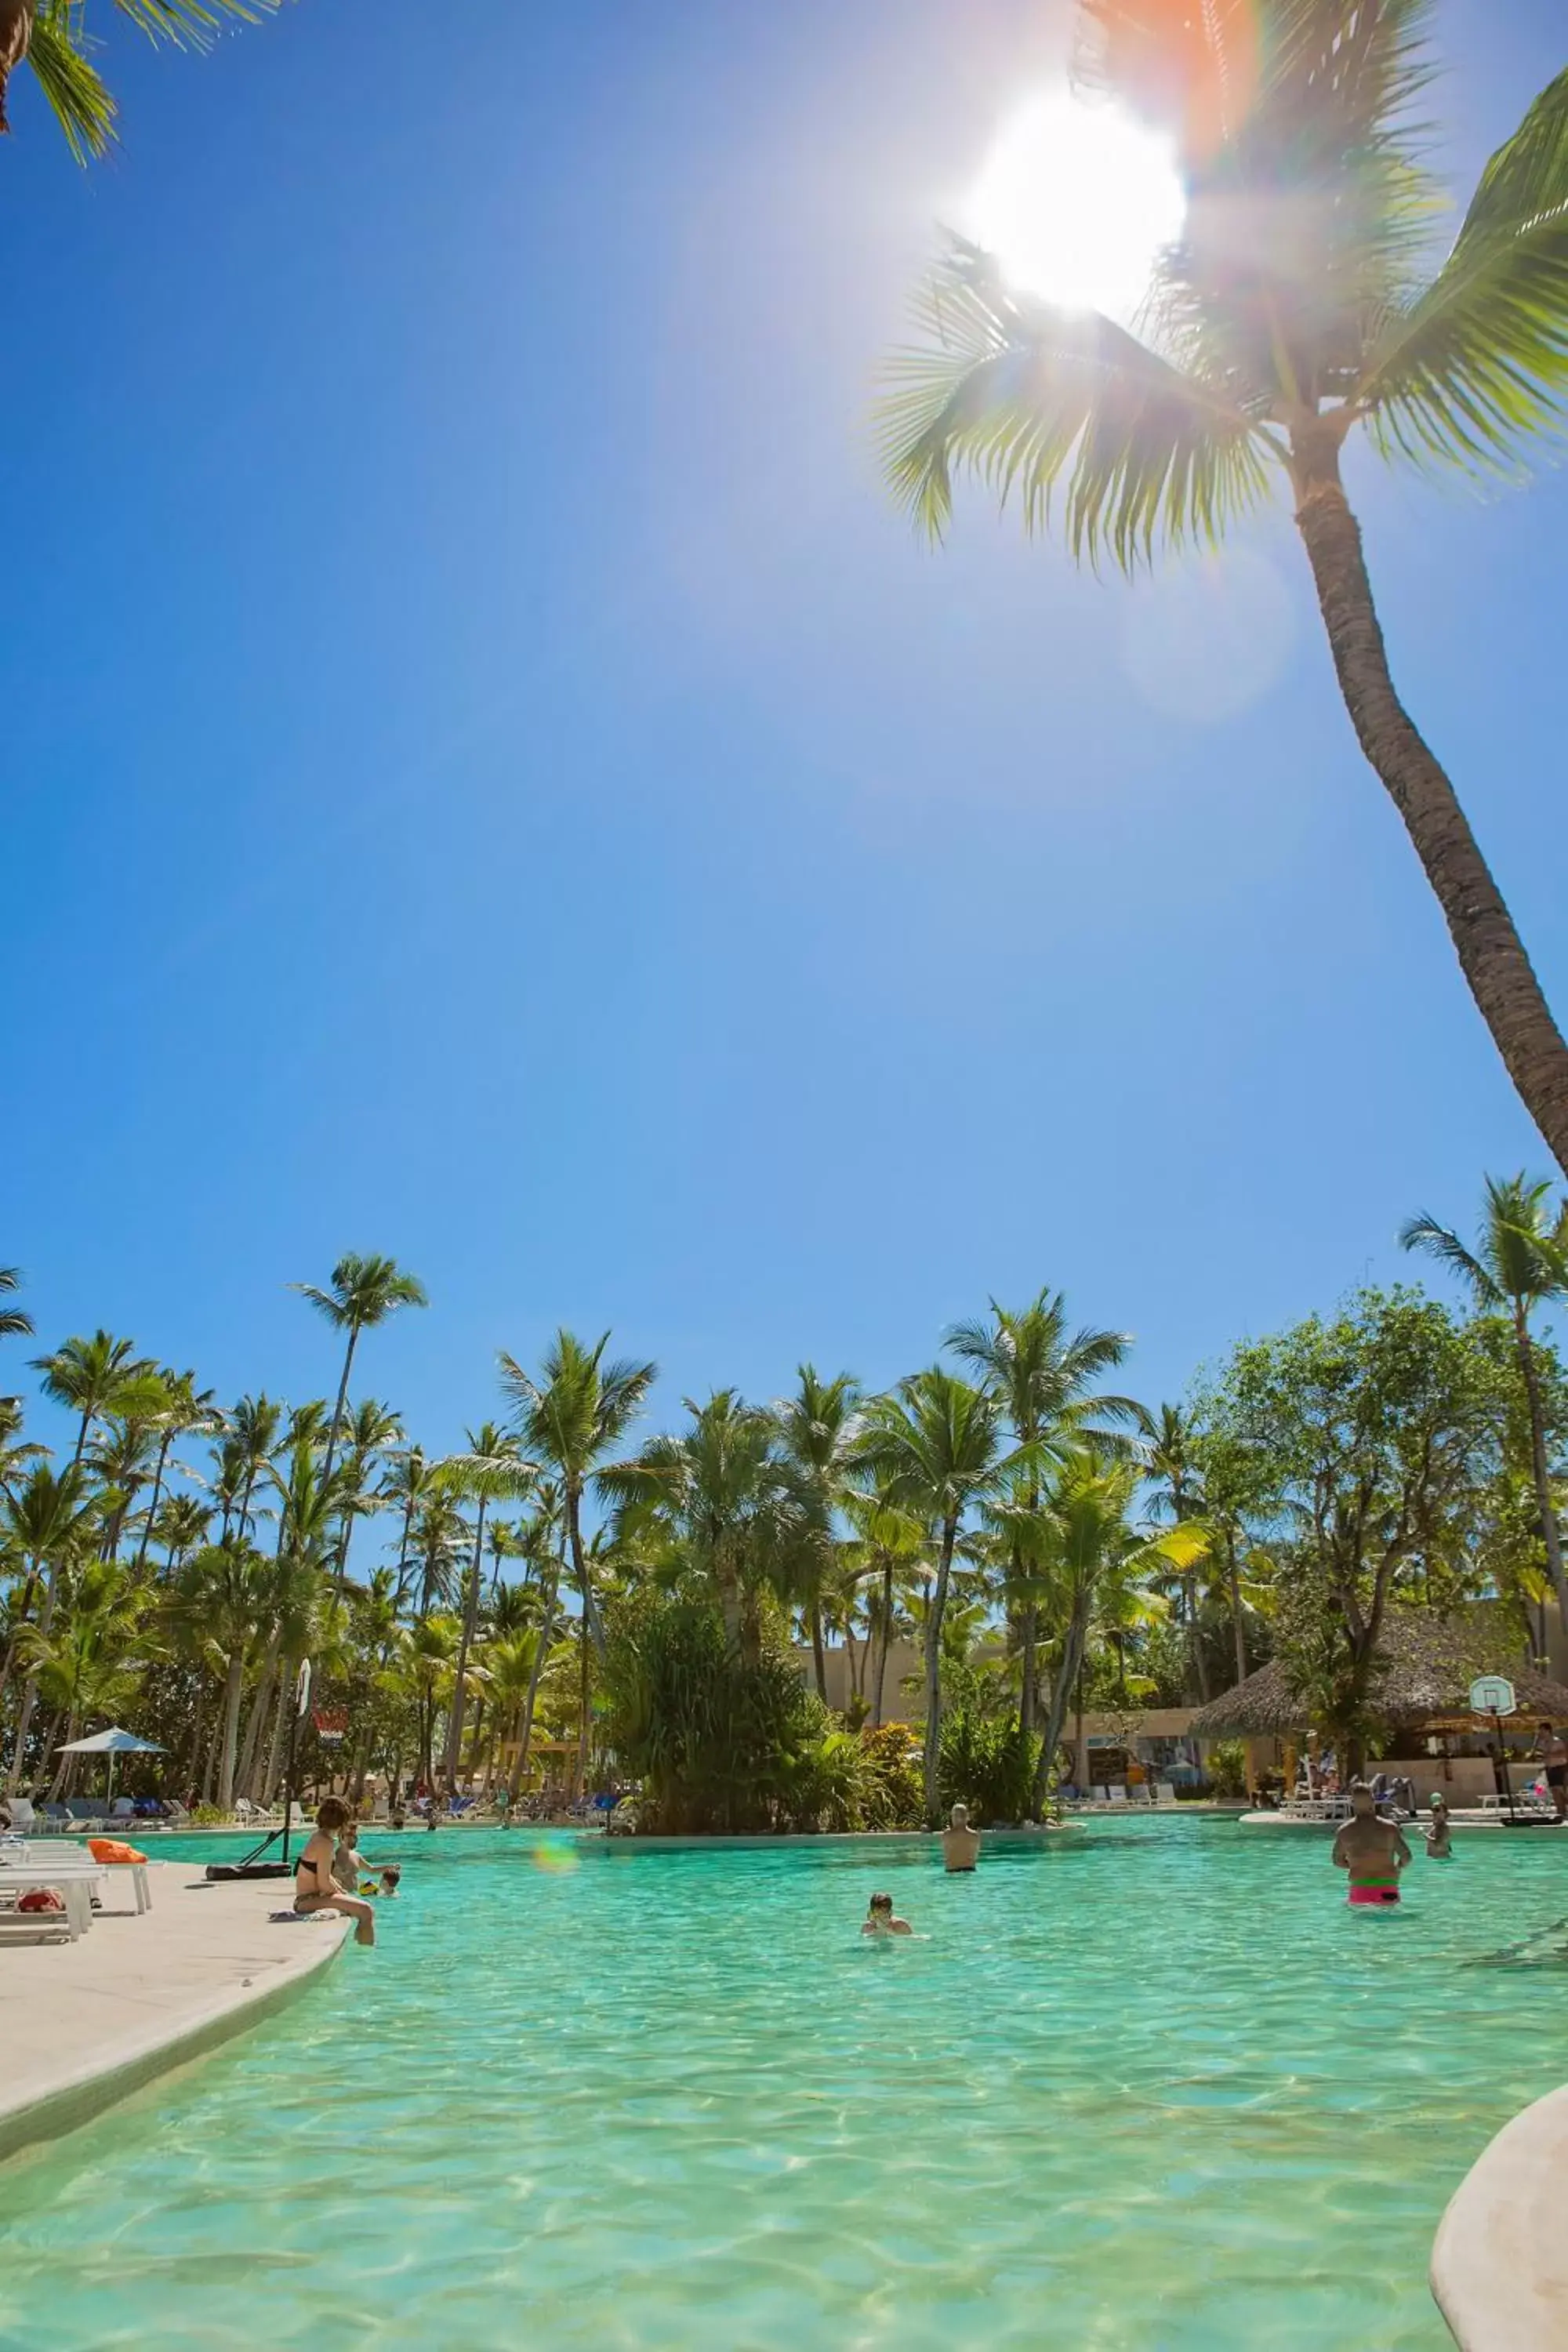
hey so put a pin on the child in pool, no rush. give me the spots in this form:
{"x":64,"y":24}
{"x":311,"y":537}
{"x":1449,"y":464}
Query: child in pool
{"x":1439,"y":1847}
{"x":879,"y":1919}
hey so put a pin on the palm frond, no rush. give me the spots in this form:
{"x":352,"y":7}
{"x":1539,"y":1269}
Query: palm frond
{"x":77,"y":94}
{"x":1024,"y":395}
{"x":193,"y":24}
{"x":1478,"y":362}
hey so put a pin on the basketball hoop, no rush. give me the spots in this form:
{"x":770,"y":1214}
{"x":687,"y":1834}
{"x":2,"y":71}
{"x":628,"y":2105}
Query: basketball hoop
{"x":330,"y":1723}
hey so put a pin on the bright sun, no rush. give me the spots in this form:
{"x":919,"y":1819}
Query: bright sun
{"x":1076,"y":201}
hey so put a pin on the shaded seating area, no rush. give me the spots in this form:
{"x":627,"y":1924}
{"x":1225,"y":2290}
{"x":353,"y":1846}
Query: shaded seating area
{"x":1419,"y":1693}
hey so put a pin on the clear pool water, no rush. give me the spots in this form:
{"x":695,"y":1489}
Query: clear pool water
{"x":1153,"y":2090}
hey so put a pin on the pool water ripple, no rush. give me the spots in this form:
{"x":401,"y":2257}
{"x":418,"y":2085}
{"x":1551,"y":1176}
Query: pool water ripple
{"x":1139,"y":2093}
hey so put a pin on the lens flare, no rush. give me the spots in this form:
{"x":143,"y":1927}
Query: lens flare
{"x":1076,"y":201}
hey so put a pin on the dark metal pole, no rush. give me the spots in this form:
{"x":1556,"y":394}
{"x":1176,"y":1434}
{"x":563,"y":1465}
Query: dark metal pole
{"x":1503,"y":1762}
{"x":289,"y":1779}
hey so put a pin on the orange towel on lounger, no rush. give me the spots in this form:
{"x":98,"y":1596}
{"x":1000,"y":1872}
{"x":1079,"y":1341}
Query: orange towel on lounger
{"x":112,"y":1850}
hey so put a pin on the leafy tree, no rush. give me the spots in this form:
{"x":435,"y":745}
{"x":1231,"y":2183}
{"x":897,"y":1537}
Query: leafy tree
{"x":1046,"y":1375}
{"x":47,"y":1523}
{"x":224,"y":1593}
{"x":1520,"y":1261}
{"x":885,"y":1547}
{"x":725,"y":1491}
{"x":817,"y":1428}
{"x":1293,"y":312}
{"x":934,"y":1445}
{"x":575,"y":1413}
{"x":48,"y":36}
{"x":1371,"y":1437}
{"x":363,"y":1293}
{"x":14,"y":1322}
{"x":87,"y":1376}
{"x":491,"y":1470}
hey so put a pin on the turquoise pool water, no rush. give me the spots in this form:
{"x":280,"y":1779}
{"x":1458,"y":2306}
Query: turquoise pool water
{"x":1156,"y":2090}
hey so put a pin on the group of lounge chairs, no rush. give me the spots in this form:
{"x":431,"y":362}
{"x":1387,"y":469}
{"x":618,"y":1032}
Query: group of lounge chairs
{"x":31,"y":1864}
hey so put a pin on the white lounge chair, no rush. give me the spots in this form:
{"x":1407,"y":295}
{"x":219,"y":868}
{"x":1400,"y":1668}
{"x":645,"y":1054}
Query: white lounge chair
{"x":1117,"y":1793}
{"x":21,"y":1811}
{"x":1164,"y":1792}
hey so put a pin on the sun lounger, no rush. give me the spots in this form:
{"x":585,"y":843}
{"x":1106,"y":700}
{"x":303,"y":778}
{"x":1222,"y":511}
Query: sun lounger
{"x":75,"y":1880}
{"x":21,"y":1811}
{"x":1117,"y":1793}
{"x":1164,"y":1792}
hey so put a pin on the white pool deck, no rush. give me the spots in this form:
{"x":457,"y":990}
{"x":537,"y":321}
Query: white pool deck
{"x":83,"y":2024}
{"x":1500,"y":2266}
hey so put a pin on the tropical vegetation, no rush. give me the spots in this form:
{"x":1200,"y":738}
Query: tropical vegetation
{"x":982,"y":1553}
{"x":1303,"y":305}
{"x":51,"y":38}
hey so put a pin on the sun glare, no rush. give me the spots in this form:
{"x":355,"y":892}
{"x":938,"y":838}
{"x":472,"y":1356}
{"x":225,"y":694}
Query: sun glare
{"x":1076,"y":201}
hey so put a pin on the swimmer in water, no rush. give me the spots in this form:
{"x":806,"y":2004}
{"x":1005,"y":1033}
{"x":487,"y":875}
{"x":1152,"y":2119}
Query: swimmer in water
{"x":1439,"y":1843}
{"x":1374,"y":1851}
{"x":879,"y":1919}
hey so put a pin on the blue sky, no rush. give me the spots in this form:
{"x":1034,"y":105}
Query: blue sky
{"x":489,"y":778}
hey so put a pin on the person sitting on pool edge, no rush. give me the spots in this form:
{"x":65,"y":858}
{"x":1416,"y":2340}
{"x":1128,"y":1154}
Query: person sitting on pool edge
{"x":960,"y":1843}
{"x":315,"y":1888}
{"x":880,"y":1919}
{"x":1439,"y":1842}
{"x":1373,"y":1851}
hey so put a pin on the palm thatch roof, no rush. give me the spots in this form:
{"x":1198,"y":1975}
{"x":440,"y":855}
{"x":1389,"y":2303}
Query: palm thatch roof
{"x":1426,"y":1666}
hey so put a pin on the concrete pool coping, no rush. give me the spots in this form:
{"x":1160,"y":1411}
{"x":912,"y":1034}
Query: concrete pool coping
{"x":82,"y":2025}
{"x":1500,"y":2265}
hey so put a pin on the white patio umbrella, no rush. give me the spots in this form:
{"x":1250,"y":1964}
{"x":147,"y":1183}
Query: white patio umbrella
{"x":111,"y":1743}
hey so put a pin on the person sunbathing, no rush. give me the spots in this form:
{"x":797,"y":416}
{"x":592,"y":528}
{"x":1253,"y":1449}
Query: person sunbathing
{"x":315,"y":1887}
{"x":879,"y":1919}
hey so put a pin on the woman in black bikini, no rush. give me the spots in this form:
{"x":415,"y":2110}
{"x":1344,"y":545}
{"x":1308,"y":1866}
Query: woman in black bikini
{"x":315,"y":1888}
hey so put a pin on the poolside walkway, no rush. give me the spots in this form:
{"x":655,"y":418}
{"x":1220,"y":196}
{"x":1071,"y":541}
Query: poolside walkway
{"x":1500,"y":2268}
{"x":82,"y":2024}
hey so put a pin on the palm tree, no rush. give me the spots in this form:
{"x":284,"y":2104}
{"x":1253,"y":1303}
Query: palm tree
{"x":364,"y":1291}
{"x":729,"y":1497}
{"x":86,"y":1376}
{"x":86,"y":1664}
{"x":185,"y":1408}
{"x":933,"y":1445}
{"x":570,"y":1418}
{"x":1088,"y":1501}
{"x":1177,"y":1495}
{"x":1044,"y":1374}
{"x":885,"y":1543}
{"x":1289,"y":314}
{"x":18,"y":1453}
{"x":818,"y":1426}
{"x":252,"y":1428}
{"x":491,"y":1470}
{"x":47,"y":1522}
{"x":1519,"y":1260}
{"x":369,"y":1428}
{"x":48,"y":36}
{"x":182,"y":1523}
{"x":225,"y":1592}
{"x":16,"y":1323}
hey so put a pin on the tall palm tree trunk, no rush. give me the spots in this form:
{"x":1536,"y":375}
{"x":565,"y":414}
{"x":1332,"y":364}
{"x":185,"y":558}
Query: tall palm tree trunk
{"x":818,"y":1656}
{"x":1550,"y":1535}
{"x":332,"y":1434}
{"x":471,"y":1619}
{"x":260,"y":1709}
{"x":546,"y":1630}
{"x":1061,"y":1692}
{"x":584,"y":1716}
{"x":275,"y":1748}
{"x":153,"y":1505}
{"x":1237,"y":1616}
{"x":591,"y":1617}
{"x":883,"y":1646}
{"x":1491,"y":954}
{"x":934,"y":1615}
{"x":234,"y":1688}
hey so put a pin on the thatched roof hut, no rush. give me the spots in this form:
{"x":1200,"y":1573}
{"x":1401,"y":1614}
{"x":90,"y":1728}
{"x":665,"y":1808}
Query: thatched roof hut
{"x":1427,"y":1666}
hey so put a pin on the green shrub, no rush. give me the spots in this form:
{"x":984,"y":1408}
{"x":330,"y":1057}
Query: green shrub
{"x":206,"y":1817}
{"x":986,"y":1762}
{"x":893,"y":1798}
{"x":1226,"y":1769}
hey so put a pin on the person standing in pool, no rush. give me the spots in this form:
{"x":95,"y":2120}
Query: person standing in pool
{"x":1552,"y":1750}
{"x":960,"y":1843}
{"x":1374,"y":1851}
{"x":1439,"y":1843}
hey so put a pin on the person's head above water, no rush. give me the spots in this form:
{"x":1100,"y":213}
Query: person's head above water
{"x":1438,"y":1801}
{"x":1361,"y":1800}
{"x":332,"y":1813}
{"x":881,"y":1908}
{"x":960,"y":1817}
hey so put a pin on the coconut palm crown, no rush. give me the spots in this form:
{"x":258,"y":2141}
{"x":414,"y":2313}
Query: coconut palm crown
{"x":1299,"y":307}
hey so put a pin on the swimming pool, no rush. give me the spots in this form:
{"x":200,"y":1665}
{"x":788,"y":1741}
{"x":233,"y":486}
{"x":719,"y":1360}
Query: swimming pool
{"x":1155,"y":2089}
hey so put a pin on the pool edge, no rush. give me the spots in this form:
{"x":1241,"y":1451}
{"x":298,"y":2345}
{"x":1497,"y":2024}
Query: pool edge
{"x":1499,"y":2261}
{"x":89,"y":2091}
